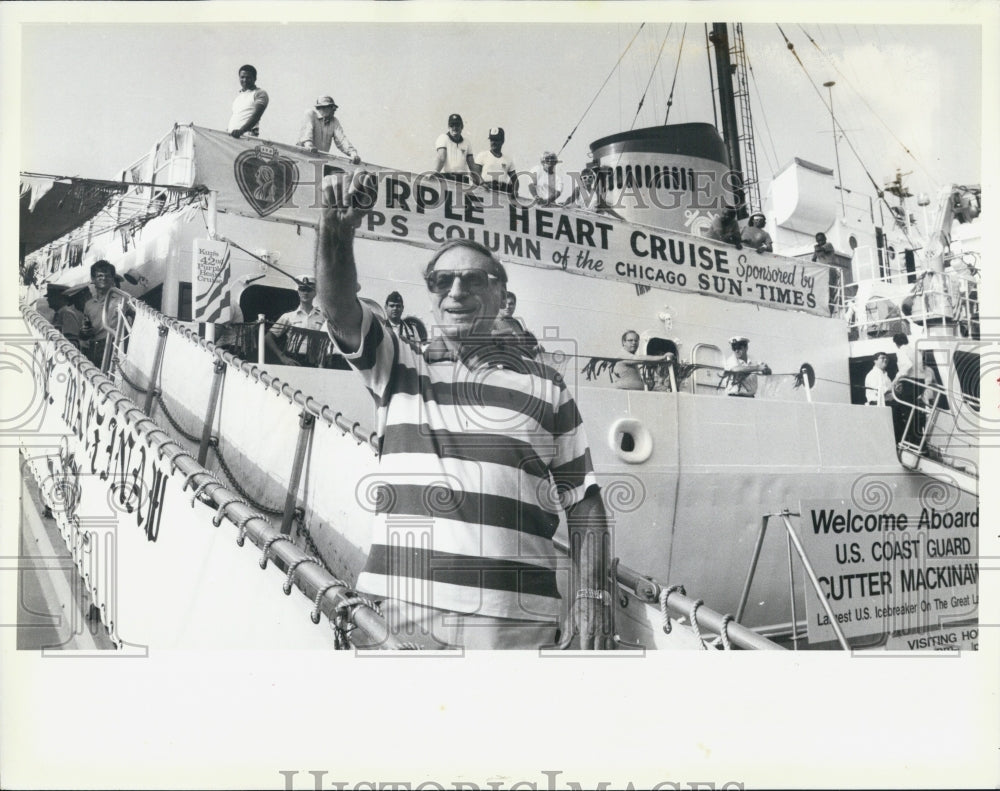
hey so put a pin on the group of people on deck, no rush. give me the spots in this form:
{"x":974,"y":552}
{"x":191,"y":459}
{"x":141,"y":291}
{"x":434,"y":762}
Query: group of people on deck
{"x":321,"y":131}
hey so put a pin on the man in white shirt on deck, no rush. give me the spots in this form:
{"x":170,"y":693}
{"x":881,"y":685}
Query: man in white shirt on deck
{"x":547,"y":186}
{"x":878,"y":385}
{"x":454,"y":153}
{"x":248,"y":106}
{"x":306,"y":316}
{"x":496,"y":169}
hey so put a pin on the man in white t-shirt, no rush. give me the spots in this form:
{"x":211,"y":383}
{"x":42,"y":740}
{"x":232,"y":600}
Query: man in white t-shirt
{"x":496,"y":169}
{"x":248,"y":106}
{"x":546,"y":186}
{"x":454,"y":153}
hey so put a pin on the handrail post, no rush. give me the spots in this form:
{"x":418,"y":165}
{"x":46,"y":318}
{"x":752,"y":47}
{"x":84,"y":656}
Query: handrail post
{"x":213,"y":400}
{"x":753,"y":568}
{"x":306,"y":423}
{"x":815,"y":582}
{"x":791,"y":596}
{"x":261,"y":329}
{"x":154,"y":374}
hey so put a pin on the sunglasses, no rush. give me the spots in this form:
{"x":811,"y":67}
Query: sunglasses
{"x":440,"y":281}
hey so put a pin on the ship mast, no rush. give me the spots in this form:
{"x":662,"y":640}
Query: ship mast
{"x":737,"y":122}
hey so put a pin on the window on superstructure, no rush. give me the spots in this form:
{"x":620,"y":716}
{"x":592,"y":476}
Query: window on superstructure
{"x":618,"y":175}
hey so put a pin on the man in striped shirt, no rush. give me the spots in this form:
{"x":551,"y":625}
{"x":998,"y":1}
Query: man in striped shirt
{"x":482,"y":450}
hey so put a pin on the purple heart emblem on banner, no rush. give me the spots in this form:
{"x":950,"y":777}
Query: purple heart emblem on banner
{"x":266,"y":179}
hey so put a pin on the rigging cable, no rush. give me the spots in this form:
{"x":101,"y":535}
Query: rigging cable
{"x":865,"y":102}
{"x":850,"y":144}
{"x":677,"y":68}
{"x":652,"y":73}
{"x":767,"y":127}
{"x":606,"y":79}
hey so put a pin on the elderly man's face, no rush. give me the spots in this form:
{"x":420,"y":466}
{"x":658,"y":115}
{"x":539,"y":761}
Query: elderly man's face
{"x":467,"y":307}
{"x":631,"y":342}
{"x":394,"y":310}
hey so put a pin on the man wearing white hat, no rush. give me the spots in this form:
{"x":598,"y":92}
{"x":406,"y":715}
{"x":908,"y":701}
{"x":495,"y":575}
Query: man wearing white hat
{"x":741,"y":373}
{"x":547,"y":186}
{"x":320,"y":130}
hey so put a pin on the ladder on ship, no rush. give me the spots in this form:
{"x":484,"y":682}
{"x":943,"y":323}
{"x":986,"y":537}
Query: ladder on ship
{"x":941,"y":435}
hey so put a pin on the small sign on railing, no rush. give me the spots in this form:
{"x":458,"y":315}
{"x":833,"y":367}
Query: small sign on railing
{"x":210,"y":293}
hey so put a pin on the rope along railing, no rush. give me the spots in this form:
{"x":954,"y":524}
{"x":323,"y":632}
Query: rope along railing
{"x":330,"y":596}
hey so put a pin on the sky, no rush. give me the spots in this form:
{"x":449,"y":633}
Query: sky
{"x":97,"y":95}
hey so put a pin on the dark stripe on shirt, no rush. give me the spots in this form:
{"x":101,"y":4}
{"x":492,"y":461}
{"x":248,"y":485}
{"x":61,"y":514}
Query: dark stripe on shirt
{"x":470,"y":572}
{"x":472,"y":507}
{"x":476,"y":397}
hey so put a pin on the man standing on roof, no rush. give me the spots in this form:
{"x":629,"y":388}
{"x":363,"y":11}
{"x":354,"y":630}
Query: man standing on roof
{"x":305,"y":317}
{"x":546,"y":186}
{"x":248,"y":106}
{"x":755,"y":236}
{"x":741,"y":373}
{"x":481,"y":451}
{"x":496,"y":169}
{"x":320,"y":130}
{"x":454,"y":153}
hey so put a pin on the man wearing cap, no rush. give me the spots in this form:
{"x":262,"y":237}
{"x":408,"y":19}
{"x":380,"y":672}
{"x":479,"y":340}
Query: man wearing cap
{"x":405,"y":329}
{"x":755,"y":236}
{"x":546,"y":186}
{"x":320,"y":130}
{"x":482,"y":451}
{"x":740,"y":372}
{"x":248,"y":106}
{"x":454,"y":153}
{"x":496,"y":168}
{"x":307,"y":317}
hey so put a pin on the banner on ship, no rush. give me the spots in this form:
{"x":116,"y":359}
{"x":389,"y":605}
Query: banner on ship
{"x":908,"y":572}
{"x":284,"y":183}
{"x":210,"y":292}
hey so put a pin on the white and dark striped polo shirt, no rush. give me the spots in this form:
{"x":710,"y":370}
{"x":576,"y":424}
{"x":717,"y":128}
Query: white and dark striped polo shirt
{"x":478,"y":459}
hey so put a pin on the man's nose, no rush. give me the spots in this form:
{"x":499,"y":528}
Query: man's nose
{"x":457,"y":288}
